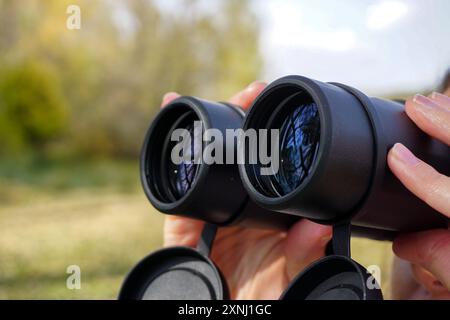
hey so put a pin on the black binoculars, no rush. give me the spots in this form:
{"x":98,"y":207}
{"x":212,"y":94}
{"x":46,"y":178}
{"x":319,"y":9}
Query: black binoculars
{"x":327,"y":163}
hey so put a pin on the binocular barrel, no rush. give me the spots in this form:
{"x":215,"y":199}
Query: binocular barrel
{"x":331,"y":167}
{"x":333,"y":150}
{"x":212,"y":192}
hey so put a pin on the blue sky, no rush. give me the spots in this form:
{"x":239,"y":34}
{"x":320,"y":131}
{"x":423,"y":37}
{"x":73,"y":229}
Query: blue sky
{"x":381,"y":47}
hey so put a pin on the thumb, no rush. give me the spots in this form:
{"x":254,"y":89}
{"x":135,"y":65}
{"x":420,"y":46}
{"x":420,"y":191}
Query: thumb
{"x":428,"y":281}
{"x":180,"y":231}
{"x":305,"y":243}
{"x":429,"y":249}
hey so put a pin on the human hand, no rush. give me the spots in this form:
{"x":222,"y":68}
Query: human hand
{"x":257,"y":264}
{"x":427,"y":273}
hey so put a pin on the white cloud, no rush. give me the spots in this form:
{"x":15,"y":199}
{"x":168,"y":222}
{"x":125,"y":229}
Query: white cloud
{"x":290,"y":26}
{"x":384,"y":14}
{"x":339,"y":40}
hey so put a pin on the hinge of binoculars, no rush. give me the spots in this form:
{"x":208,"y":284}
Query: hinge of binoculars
{"x":206,"y":240}
{"x":340,"y":243}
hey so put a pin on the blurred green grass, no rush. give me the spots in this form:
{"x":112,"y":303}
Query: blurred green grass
{"x":52,"y":216}
{"x":93,"y":215}
{"x":19,"y":176}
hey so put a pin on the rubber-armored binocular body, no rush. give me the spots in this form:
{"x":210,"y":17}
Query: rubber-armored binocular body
{"x":328,"y":165}
{"x":332,"y":169}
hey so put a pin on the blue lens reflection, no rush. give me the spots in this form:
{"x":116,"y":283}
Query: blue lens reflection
{"x":300,"y":134}
{"x":184,"y":174}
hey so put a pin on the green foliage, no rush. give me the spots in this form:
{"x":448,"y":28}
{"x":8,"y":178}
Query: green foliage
{"x":32,"y":107}
{"x":113,"y":73}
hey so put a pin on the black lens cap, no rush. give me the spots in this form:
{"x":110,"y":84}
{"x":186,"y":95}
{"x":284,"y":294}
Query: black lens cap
{"x":333,"y":278}
{"x":176,"y":273}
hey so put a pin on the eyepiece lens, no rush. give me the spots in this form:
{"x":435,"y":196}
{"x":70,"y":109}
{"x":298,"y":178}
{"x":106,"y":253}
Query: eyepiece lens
{"x":169,"y":179}
{"x":294,"y":112}
{"x":182,"y":176}
{"x":299,"y":141}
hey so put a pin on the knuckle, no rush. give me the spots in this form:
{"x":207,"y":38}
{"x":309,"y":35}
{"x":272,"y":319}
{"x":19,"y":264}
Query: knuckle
{"x":436,"y":183}
{"x":436,"y":248}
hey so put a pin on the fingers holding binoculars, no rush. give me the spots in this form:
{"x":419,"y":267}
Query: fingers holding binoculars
{"x":180,"y":231}
{"x":420,"y":178}
{"x":430,"y":250}
{"x":168,"y":98}
{"x":428,"y":281}
{"x":305,"y":243}
{"x":245,"y":98}
{"x":431,"y":114}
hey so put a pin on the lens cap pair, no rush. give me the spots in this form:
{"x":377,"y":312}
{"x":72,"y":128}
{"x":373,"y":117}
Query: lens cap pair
{"x":183,"y":273}
{"x":177,"y":273}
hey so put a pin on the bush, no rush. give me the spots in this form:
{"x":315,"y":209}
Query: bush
{"x":32,"y":107}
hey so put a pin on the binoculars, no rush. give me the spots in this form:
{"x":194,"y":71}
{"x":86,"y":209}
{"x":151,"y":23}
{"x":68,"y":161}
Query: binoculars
{"x":328,"y":146}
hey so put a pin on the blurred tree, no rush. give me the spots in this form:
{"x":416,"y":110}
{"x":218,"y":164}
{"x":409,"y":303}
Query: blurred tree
{"x":32,"y":106}
{"x":114,"y":71}
{"x":236,"y":58}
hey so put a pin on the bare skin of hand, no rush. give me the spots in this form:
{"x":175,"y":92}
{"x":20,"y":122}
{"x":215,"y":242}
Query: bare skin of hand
{"x":423,"y":270}
{"x":257,"y":264}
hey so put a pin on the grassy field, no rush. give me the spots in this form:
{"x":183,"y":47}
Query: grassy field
{"x":94,"y":216}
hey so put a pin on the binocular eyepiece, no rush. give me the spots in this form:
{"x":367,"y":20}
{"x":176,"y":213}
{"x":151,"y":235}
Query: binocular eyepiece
{"x":328,"y":160}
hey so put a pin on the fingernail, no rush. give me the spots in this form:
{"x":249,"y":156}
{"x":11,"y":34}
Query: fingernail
{"x":440,"y":97}
{"x":404,"y":155}
{"x":423,"y":101}
{"x":169,"y":95}
{"x":255,"y":84}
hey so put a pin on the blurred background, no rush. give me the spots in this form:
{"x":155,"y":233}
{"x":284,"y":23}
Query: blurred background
{"x":75,"y":104}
